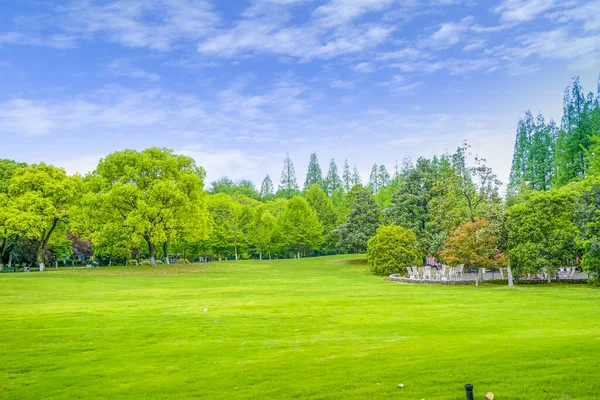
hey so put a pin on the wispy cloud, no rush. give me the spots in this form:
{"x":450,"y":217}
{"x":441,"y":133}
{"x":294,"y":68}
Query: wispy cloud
{"x":522,"y":10}
{"x":121,"y":67}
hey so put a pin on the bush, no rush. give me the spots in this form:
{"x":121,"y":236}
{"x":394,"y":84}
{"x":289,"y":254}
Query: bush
{"x":591,"y":261}
{"x":183,"y":261}
{"x":133,"y":262}
{"x":145,"y":262}
{"x":159,"y":262}
{"x":392,"y":249}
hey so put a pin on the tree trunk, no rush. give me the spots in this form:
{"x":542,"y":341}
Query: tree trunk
{"x":270,"y":255}
{"x":40,"y":256}
{"x":510,"y":276}
{"x":9,"y":260}
{"x":152,"y":249}
{"x":166,"y":252}
{"x":236,"y":254}
{"x":56,"y":265}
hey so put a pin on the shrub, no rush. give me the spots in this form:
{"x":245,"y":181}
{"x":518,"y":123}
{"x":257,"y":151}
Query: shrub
{"x":591,"y":261}
{"x":145,"y":262}
{"x":182,"y":261}
{"x":133,"y":262}
{"x":392,"y":249}
{"x":159,"y":262}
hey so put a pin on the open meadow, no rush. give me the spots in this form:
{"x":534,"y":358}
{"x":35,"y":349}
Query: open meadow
{"x":320,"y":328}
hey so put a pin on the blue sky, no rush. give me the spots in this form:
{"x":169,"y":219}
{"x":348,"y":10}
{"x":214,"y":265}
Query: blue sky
{"x":238,"y":84}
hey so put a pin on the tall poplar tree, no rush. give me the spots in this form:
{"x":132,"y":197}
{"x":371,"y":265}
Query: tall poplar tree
{"x":374,"y":179}
{"x":383,"y":177}
{"x":288,"y":185}
{"x":533,"y":158}
{"x":266,"y":188}
{"x":314,"y":176}
{"x":356,"y":177}
{"x":332,"y":181}
{"x":347,"y":176}
{"x":575,"y":137}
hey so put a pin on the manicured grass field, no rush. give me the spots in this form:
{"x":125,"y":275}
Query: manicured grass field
{"x":319,"y":328}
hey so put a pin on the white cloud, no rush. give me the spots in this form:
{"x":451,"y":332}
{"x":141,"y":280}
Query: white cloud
{"x":338,"y":12}
{"x":450,"y":33}
{"x":400,"y":84}
{"x":363,"y":67}
{"x":112,"y":111}
{"x":124,"y":68}
{"x":522,"y":10}
{"x":586,"y":13}
{"x":157,"y":24}
{"x":55,"y":41}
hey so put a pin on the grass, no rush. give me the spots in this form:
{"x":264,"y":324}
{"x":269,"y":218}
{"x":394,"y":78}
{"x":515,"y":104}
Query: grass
{"x":319,"y":328}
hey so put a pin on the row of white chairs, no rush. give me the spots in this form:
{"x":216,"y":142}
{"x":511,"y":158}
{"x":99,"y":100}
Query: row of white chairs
{"x":442,"y":273}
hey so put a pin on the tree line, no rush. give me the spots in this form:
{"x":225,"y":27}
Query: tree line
{"x":152,"y":207}
{"x":553,"y":200}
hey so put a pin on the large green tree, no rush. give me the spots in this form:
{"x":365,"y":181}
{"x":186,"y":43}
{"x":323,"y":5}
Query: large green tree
{"x":154,"y":193}
{"x":361,"y":222}
{"x":542,"y":231}
{"x":260,"y":230}
{"x":299,"y":226}
{"x":43,"y":196}
{"x":323,"y":205}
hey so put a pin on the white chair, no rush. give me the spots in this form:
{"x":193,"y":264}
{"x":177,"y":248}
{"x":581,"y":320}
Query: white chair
{"x":412,"y":273}
{"x":427,"y":272}
{"x":460,"y":270}
{"x":443,"y":272}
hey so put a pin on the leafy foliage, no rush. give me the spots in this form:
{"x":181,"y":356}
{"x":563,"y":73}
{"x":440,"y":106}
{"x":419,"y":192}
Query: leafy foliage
{"x":475,"y":244}
{"x":361,"y":222}
{"x":392,"y":249}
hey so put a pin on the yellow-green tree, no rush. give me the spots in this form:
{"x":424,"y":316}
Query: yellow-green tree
{"x":392,"y":249}
{"x":154,"y":193}
{"x":42,"y":199}
{"x":299,"y":226}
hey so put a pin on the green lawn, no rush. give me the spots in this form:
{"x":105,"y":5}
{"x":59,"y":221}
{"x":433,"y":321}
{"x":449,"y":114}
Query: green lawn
{"x":319,"y":328}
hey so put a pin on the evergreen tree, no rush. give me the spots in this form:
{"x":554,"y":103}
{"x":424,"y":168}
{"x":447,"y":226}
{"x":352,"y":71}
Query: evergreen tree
{"x":575,"y":137}
{"x":266,"y":188}
{"x":347,"y":177}
{"x":314,"y":176}
{"x":361,"y":222}
{"x":332,"y":181}
{"x":288,"y":186}
{"x":356,"y":177}
{"x":374,"y":179}
{"x":383,"y":177}
{"x":533,"y":158}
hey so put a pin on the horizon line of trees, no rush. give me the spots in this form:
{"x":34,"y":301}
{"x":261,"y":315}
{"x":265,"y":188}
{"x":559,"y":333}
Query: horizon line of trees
{"x":152,"y":206}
